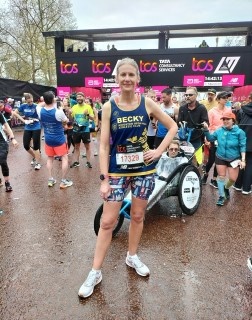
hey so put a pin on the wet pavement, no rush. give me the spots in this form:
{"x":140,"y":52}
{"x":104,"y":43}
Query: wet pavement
{"x":198,"y":263}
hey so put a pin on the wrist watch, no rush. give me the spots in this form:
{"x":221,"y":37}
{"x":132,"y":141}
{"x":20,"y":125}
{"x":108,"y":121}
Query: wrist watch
{"x":103,"y":177}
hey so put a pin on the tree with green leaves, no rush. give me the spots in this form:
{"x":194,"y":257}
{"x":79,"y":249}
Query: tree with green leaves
{"x":24,"y":53}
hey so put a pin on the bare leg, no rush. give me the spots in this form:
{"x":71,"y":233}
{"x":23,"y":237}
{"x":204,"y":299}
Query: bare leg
{"x":49,"y":166}
{"x":36,"y":155}
{"x":64,"y":166}
{"x":109,"y":218}
{"x":137,"y":213}
{"x":31,"y":152}
{"x":77,"y":152}
{"x":88,"y":151}
{"x":233,"y":173}
{"x":95,"y":143}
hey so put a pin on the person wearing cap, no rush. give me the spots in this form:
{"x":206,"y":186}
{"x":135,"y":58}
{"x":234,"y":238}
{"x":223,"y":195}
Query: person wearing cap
{"x":6,"y":110}
{"x":215,"y":122}
{"x":10,"y":101}
{"x":230,"y":153}
{"x":244,"y":180}
{"x":210,"y":102}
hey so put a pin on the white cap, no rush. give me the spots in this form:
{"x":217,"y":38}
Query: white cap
{"x":10,"y":100}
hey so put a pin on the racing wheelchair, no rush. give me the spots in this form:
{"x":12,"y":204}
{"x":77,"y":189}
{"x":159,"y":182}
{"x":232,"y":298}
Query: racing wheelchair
{"x":184,"y":182}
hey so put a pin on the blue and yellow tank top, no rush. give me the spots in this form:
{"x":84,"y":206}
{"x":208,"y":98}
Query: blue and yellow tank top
{"x":129,"y":141}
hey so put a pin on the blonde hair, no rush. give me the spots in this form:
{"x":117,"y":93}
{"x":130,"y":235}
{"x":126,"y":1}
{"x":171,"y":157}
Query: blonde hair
{"x":130,"y":61}
{"x":151,"y":92}
{"x":175,"y":142}
{"x":28,"y":96}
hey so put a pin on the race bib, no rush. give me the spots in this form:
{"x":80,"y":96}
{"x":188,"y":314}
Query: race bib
{"x":129,"y":156}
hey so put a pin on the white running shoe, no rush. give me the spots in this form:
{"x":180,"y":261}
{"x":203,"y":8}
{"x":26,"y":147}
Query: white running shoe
{"x":87,"y":288}
{"x":65,"y":183}
{"x":37,"y":166}
{"x":246,"y":192}
{"x":249,"y":263}
{"x":51,"y":182}
{"x":136,"y":263}
{"x":33,"y":162}
{"x":237,"y":189}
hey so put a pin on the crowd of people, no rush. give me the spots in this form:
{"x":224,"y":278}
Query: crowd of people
{"x":135,"y":132}
{"x":63,"y":126}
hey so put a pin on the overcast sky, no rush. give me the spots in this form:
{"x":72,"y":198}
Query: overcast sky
{"x":97,"y":14}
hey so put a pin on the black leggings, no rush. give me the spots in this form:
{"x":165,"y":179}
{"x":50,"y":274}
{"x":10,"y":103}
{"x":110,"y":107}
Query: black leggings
{"x":35,"y":136}
{"x":3,"y":158}
{"x":244,"y":179}
{"x":69,"y":133}
{"x":5,"y":169}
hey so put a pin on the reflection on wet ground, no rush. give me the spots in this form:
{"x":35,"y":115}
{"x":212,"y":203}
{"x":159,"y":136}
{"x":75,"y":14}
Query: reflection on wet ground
{"x":198,"y":263}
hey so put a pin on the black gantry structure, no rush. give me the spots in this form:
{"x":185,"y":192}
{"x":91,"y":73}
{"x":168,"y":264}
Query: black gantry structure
{"x":162,"y":33}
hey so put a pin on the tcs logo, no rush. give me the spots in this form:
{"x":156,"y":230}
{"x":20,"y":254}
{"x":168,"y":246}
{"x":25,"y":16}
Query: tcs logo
{"x":202,"y":65}
{"x":68,"y":67}
{"x":148,"y":66}
{"x":101,"y":67}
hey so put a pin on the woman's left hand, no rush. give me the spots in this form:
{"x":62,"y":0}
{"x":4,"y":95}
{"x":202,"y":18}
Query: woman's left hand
{"x":105,"y":189}
{"x":152,"y":155}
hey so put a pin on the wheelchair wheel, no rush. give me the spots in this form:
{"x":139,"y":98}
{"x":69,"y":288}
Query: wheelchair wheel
{"x":189,"y":190}
{"x":97,"y":221}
